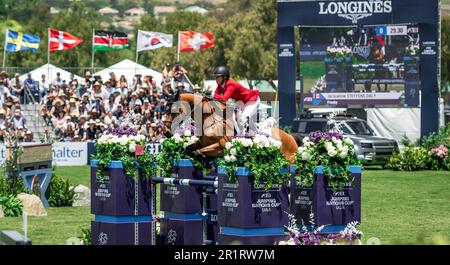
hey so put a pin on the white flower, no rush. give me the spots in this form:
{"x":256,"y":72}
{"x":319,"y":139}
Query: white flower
{"x":187,"y":133}
{"x":278,"y":144}
{"x":228,"y":145}
{"x":256,"y":140}
{"x":348,"y":141}
{"x":343,"y":154}
{"x":227,"y":158}
{"x":301,"y":149}
{"x":132,"y":147}
{"x":332,"y":153}
{"x":233,"y":158}
{"x":233,"y":151}
{"x":194,"y":139}
{"x":334,"y":139}
{"x":305,"y":140}
{"x":186,"y":145}
{"x":123,"y":140}
{"x":248,"y":143}
{"x":305,"y":156}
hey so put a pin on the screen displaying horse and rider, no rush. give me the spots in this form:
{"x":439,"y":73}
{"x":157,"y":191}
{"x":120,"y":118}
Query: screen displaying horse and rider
{"x":361,"y":65}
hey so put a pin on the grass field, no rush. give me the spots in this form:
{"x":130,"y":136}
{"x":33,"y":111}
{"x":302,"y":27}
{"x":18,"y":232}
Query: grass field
{"x":397,"y":208}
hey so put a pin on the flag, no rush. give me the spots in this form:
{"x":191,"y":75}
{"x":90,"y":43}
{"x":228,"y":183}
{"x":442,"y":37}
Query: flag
{"x":18,"y":41}
{"x":153,"y":40}
{"x":190,"y":41}
{"x":60,"y":40}
{"x":140,"y":150}
{"x":109,"y":40}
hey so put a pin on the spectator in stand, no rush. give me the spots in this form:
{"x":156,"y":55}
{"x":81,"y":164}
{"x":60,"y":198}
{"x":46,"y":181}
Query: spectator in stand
{"x":3,"y":120}
{"x":178,"y":72}
{"x":123,"y":83}
{"x":98,"y":91}
{"x":119,"y":112}
{"x":112,"y":80}
{"x":137,"y":82}
{"x":86,"y":101}
{"x":167,"y":73}
{"x":57,"y":81}
{"x":73,"y":109}
{"x":44,"y":88}
{"x":148,"y":84}
{"x":60,"y":123}
{"x":18,"y":121}
{"x":4,"y":91}
{"x":28,"y":137}
{"x":31,"y":87}
{"x":88,"y":81}
{"x":69,"y":132}
{"x":17,"y":87}
{"x":56,"y":109}
{"x":91,"y":130}
{"x":4,"y":75}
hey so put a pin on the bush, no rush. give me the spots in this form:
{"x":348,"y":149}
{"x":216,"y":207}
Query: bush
{"x":412,"y":159}
{"x":12,"y":186}
{"x":11,"y":206}
{"x":439,"y":158}
{"x":442,"y":137}
{"x":85,"y":236}
{"x":60,"y":193}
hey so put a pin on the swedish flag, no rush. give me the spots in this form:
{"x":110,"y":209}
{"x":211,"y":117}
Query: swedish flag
{"x":17,"y":41}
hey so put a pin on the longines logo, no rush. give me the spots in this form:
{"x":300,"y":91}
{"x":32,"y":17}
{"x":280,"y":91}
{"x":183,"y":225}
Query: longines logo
{"x":356,"y":10}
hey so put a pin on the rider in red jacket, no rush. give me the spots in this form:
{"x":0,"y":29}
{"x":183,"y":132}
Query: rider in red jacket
{"x":228,"y":88}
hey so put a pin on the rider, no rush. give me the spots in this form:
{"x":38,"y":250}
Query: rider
{"x":228,"y":88}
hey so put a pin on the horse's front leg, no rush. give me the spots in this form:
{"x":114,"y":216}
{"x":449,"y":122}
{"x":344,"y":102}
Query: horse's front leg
{"x":210,"y":150}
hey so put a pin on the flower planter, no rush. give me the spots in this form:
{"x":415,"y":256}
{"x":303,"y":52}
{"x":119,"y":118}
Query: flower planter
{"x":119,"y":220}
{"x":250,"y":215}
{"x":181,"y":207}
{"x":333,"y":209}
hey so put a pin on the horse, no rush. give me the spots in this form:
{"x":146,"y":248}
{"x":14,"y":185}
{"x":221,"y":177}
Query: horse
{"x":213,"y":139}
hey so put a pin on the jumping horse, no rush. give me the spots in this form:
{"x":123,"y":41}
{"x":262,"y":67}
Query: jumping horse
{"x":219,"y":128}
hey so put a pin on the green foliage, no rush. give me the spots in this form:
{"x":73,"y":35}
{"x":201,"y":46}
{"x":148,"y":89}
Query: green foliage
{"x":60,"y":193}
{"x":11,"y":186}
{"x":413,"y":158}
{"x":334,"y":156}
{"x":263,"y":158}
{"x":442,"y":137}
{"x":106,"y":153}
{"x":11,"y":206}
{"x":175,"y":149}
{"x":85,"y":236}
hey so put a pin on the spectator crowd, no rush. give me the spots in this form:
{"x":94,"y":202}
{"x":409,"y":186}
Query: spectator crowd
{"x":81,"y":110}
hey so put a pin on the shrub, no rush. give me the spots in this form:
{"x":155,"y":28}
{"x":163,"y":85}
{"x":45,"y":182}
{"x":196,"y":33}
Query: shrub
{"x":60,"y":193}
{"x":85,"y":236}
{"x":439,"y":158}
{"x":442,"y":137}
{"x":11,"y":206}
{"x":12,"y":186}
{"x":412,"y":159}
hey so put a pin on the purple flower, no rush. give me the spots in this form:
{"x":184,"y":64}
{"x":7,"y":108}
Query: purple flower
{"x":121,"y":131}
{"x":318,"y":136}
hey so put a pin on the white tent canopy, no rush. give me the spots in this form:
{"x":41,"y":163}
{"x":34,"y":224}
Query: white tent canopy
{"x":129,"y":69}
{"x":49,"y":70}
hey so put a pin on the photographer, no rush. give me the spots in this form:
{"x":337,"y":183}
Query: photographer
{"x":178,"y":72}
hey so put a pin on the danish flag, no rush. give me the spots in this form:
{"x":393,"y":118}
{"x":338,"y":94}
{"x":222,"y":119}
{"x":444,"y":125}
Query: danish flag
{"x":60,"y":40}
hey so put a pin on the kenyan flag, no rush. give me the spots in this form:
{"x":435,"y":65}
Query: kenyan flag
{"x":109,"y":40}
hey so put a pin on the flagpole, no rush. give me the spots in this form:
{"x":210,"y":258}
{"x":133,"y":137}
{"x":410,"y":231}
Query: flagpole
{"x":137,"y":53}
{"x":4,"y":50}
{"x":48,"y":54}
{"x":178,"y":53}
{"x":93,"y":51}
